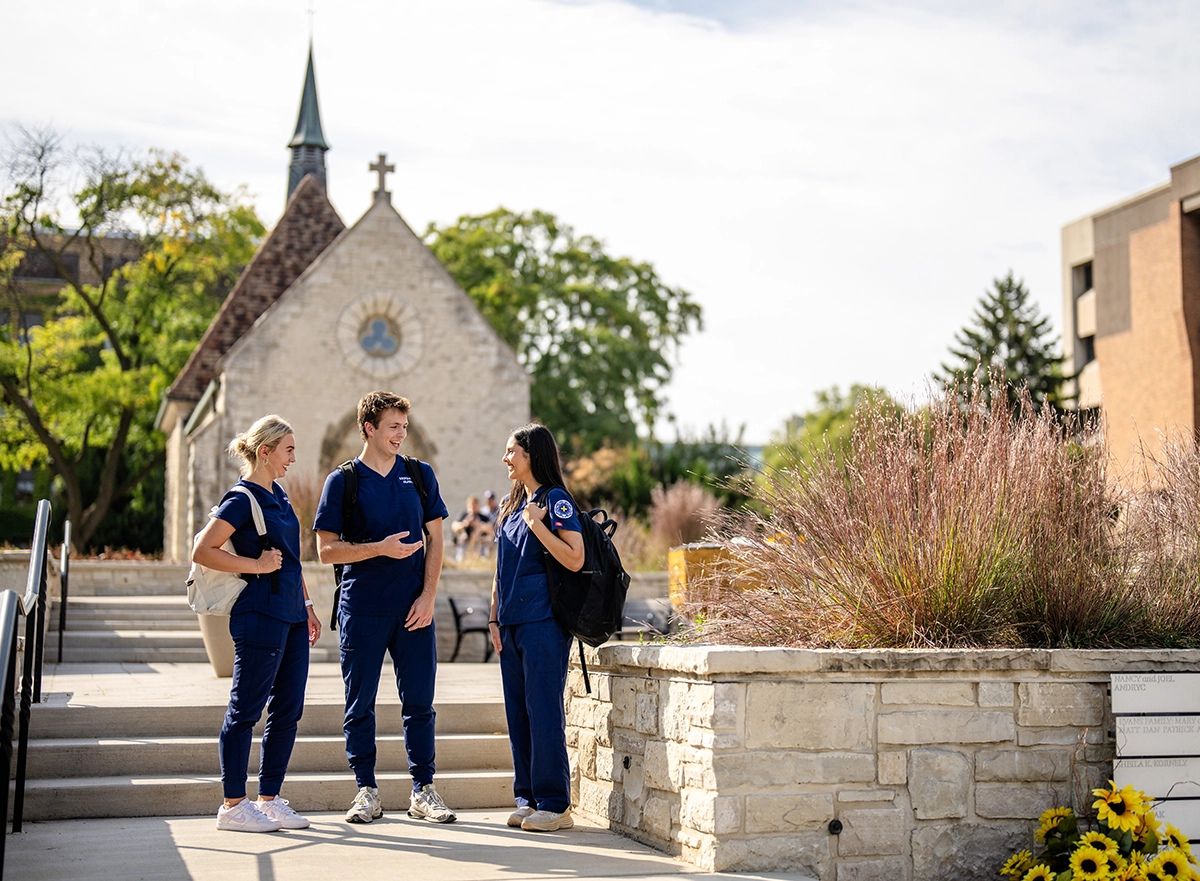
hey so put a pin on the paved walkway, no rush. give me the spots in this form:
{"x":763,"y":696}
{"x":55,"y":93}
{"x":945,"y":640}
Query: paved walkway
{"x":479,"y":846}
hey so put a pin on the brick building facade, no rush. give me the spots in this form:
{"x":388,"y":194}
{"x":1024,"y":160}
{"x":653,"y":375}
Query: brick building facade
{"x":1131,"y":312}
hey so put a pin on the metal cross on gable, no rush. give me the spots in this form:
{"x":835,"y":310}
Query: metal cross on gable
{"x":382,"y":167}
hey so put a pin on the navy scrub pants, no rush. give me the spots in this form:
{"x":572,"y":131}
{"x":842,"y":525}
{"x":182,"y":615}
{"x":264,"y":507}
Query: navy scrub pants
{"x":364,"y":639}
{"x":533,"y":670}
{"x":270,"y":669}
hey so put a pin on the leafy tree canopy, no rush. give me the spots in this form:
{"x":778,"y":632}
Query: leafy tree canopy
{"x":829,"y":423}
{"x":1010,"y":343}
{"x":86,"y":382}
{"x":596,"y":332}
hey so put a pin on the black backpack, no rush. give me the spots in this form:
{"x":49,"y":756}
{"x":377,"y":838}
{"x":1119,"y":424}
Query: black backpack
{"x":590,"y":603}
{"x":350,"y":499}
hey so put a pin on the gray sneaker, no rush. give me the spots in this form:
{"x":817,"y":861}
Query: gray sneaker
{"x":426,"y":804}
{"x":547,"y":821}
{"x":515,"y":818}
{"x":366,"y":806}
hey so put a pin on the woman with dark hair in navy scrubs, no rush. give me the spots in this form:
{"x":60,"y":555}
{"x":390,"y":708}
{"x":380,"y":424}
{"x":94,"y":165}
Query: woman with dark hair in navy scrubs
{"x":272,"y":625}
{"x":536,"y":518}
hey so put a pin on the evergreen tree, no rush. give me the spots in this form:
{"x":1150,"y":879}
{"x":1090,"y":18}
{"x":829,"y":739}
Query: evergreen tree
{"x":1008,"y":341}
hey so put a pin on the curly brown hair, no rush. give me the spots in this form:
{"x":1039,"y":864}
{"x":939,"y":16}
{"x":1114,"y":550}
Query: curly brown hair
{"x":373,"y":405}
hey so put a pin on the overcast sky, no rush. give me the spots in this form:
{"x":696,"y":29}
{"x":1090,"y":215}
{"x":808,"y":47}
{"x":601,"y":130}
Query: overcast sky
{"x":835,"y":183}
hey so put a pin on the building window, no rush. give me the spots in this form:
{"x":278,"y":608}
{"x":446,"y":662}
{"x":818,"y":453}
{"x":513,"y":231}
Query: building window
{"x":1087,"y":350}
{"x":24,"y":491}
{"x":1081,"y":279}
{"x":28,"y":321}
{"x":38,"y":265}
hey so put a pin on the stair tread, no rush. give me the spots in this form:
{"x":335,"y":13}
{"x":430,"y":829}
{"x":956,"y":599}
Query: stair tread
{"x":294,"y":777}
{"x":67,"y":742}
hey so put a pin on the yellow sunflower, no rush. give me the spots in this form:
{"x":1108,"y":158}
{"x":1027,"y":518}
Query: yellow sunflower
{"x":1018,"y":864}
{"x":1101,"y":841}
{"x":1170,"y":864}
{"x":1089,"y":864}
{"x":1150,"y":823}
{"x":1040,"y":872}
{"x":1121,"y":810}
{"x":1175,"y":839}
{"x":1052,"y":816}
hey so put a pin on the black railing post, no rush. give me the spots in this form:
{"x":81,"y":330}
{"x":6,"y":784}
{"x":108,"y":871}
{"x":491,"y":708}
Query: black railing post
{"x":34,"y":593}
{"x":64,"y":572}
{"x":8,"y":663}
{"x":39,"y":630}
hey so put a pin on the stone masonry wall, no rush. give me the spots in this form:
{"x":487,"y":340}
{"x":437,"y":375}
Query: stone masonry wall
{"x":935,"y":763}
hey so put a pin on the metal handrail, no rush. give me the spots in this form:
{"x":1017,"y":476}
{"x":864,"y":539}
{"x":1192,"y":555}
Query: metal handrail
{"x":10,"y":613}
{"x":64,"y":570}
{"x":34,"y":606}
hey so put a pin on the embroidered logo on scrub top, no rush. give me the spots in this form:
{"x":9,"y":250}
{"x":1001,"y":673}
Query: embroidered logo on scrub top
{"x":562,"y":510}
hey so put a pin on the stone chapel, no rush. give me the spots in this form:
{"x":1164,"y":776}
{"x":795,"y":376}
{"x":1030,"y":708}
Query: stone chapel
{"x":322,"y":315}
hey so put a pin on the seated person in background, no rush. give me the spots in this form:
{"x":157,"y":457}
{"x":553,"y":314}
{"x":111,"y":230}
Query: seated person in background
{"x":472,"y":530}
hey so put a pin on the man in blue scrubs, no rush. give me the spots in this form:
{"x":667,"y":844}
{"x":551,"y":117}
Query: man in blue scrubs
{"x":389,"y":582}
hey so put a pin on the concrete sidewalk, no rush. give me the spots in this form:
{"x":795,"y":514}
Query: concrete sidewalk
{"x":479,"y":847}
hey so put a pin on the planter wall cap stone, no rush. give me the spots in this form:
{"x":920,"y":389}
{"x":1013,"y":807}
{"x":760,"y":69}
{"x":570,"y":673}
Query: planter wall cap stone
{"x":710,"y":660}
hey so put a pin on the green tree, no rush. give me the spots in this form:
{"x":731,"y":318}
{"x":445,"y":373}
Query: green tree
{"x":595,"y":332}
{"x":1008,"y":342}
{"x":80,"y":391}
{"x":830,"y":423}
{"x":624,"y":479}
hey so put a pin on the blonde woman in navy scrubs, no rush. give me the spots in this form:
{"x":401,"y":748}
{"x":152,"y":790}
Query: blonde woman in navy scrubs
{"x":533,"y":648}
{"x":272,"y":625}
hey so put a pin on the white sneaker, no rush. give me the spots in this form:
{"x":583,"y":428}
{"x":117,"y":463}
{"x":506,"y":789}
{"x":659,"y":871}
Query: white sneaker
{"x":515,"y":818}
{"x":245,"y":817}
{"x":366,"y":806}
{"x":277,"y":809}
{"x":426,"y":804}
{"x":547,"y":821}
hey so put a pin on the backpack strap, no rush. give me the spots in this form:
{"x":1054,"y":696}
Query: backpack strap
{"x":260,"y":525}
{"x":349,"y":501}
{"x":413,"y":466}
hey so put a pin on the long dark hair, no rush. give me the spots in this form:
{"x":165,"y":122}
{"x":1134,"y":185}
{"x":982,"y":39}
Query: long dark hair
{"x":544,"y":462}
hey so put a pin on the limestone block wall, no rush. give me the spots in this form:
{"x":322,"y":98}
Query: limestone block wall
{"x":849,"y":765}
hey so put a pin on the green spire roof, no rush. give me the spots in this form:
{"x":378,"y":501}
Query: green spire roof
{"x":308,"y":125}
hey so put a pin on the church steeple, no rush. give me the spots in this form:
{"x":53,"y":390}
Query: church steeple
{"x":308,"y":143}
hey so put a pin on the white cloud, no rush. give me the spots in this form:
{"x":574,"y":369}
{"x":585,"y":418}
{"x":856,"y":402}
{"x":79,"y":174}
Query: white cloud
{"x":836,"y":188}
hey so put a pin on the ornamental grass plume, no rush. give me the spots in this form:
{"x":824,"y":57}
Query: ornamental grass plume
{"x":1161,"y":526}
{"x":954,"y":525}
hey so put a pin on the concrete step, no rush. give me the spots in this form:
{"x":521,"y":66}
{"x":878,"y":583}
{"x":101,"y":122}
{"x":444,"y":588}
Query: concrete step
{"x":186,"y":756}
{"x":148,"y":654}
{"x":175,"y":602}
{"x":132,"y":655}
{"x":109,"y":622}
{"x":112,"y":639}
{"x":203,"y":721}
{"x":179,"y":796}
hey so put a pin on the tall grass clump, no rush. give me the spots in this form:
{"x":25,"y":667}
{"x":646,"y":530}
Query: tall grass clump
{"x":1161,"y":525}
{"x":681,"y":512}
{"x":953,"y":525}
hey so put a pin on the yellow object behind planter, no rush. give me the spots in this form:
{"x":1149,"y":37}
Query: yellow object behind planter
{"x":687,"y":564}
